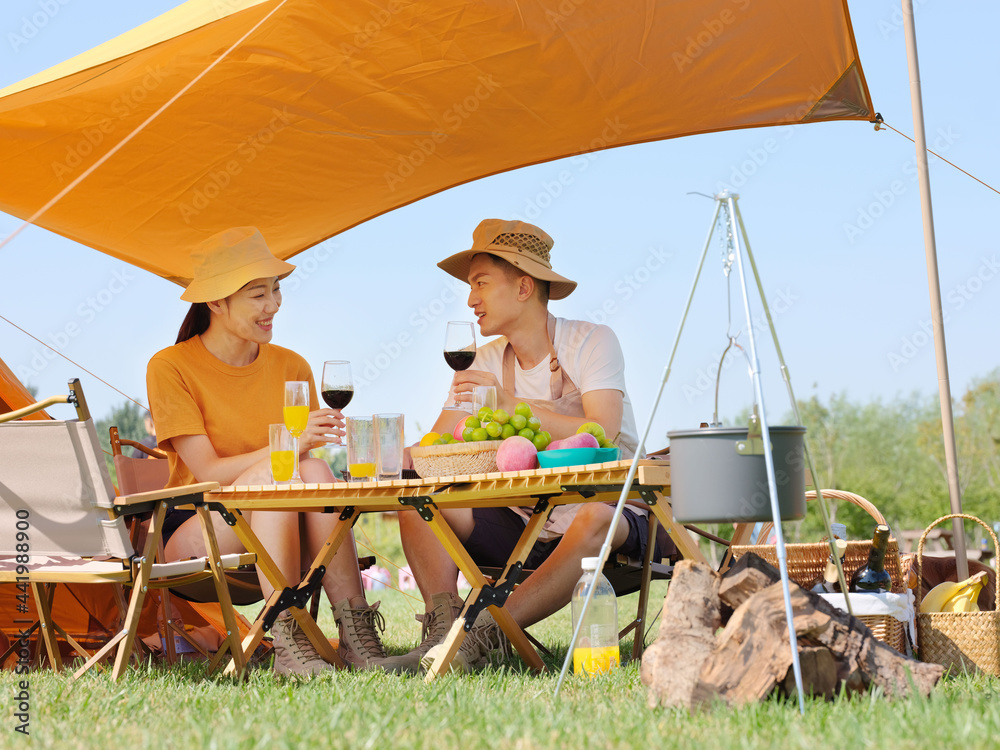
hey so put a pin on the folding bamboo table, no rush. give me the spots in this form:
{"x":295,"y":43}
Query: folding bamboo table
{"x":541,"y":489}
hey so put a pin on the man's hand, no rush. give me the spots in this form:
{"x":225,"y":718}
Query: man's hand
{"x":465,"y":380}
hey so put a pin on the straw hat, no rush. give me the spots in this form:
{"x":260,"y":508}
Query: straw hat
{"x":228,"y":261}
{"x":517,"y":242}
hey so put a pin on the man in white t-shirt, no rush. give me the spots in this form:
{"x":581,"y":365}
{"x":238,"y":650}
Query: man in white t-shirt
{"x":570,"y":372}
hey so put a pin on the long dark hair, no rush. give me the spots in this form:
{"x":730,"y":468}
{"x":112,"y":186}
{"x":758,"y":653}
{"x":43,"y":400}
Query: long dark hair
{"x":195,"y":322}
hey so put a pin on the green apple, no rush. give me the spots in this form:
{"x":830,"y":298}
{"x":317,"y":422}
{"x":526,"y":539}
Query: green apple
{"x":527,"y":433}
{"x":485,"y":414}
{"x":541,"y":440}
{"x":480,"y":433}
{"x":473,"y":422}
{"x":523,"y":409}
{"x":534,"y":423}
{"x":519,"y":422}
{"x":493,"y":429}
{"x":507,"y":431}
{"x":607,"y":444}
{"x":594,"y":429}
{"x":501,"y":417}
{"x":467,"y":434}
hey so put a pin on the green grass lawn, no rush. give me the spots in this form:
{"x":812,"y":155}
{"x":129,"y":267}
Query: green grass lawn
{"x":501,"y":707}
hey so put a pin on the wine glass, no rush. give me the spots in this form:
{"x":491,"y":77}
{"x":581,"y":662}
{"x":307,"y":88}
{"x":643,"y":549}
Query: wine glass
{"x":459,"y":350}
{"x":296,"y":414}
{"x":337,"y":386}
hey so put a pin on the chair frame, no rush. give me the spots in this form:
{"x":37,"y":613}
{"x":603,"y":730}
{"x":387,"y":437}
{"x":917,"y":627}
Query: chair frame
{"x":137,"y":571}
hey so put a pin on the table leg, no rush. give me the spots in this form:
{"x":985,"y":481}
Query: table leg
{"x":267,"y":566}
{"x":456,"y":550}
{"x":687,"y":545}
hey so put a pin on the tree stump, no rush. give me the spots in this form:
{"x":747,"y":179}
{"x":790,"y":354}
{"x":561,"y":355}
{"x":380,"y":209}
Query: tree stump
{"x":751,"y":656}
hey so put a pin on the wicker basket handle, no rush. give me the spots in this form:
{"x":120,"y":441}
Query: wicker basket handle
{"x":967,"y":517}
{"x":765,"y":530}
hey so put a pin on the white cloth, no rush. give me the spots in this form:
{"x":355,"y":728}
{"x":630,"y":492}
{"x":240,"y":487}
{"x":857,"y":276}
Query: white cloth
{"x":591,"y":356}
{"x":900,"y":606}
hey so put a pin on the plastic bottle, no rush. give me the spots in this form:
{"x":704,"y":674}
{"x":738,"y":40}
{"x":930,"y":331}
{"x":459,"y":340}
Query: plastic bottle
{"x":596,"y":650}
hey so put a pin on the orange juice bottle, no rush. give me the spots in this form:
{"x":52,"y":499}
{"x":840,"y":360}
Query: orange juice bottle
{"x":596,"y":650}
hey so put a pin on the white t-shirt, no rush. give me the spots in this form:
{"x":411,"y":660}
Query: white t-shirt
{"x":590,"y":355}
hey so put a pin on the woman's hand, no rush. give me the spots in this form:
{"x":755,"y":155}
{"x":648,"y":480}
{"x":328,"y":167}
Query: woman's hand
{"x":325,"y":426}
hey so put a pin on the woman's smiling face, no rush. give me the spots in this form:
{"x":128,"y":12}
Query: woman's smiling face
{"x":249,"y":313}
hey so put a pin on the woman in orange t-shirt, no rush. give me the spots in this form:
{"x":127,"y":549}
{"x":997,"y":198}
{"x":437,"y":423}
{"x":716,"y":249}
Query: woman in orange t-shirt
{"x":212,"y":396}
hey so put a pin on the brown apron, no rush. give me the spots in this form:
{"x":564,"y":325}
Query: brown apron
{"x":565,"y":399}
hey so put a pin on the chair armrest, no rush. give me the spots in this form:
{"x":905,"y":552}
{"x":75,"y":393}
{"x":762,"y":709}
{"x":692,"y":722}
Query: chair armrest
{"x":181,"y":495}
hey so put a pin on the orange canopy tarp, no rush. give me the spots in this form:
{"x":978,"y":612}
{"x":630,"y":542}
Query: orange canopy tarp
{"x":328,"y":114}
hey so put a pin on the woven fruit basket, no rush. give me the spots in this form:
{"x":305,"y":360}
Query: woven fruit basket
{"x":455,"y":459}
{"x":960,"y":641}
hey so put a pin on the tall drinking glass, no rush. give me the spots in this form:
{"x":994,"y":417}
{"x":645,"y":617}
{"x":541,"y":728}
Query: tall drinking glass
{"x":361,"y":448}
{"x":296,"y":414}
{"x":460,"y":351}
{"x":389,"y":446}
{"x":282,"y":453}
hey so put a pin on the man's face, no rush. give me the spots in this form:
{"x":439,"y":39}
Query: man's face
{"x":493,"y":295}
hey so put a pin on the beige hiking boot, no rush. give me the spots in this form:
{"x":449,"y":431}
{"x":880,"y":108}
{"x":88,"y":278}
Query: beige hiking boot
{"x":294,"y":652}
{"x":484,"y":637}
{"x":434,"y":627}
{"x":359,"y":625}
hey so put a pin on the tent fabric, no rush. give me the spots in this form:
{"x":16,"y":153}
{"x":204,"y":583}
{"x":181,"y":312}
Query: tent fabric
{"x":327,"y":115}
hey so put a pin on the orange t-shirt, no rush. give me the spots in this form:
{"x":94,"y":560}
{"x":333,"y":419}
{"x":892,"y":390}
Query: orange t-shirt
{"x":192,"y":392}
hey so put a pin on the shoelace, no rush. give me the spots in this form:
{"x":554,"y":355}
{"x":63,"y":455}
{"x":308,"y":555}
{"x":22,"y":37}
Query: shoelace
{"x":368,"y":637}
{"x":300,"y":644}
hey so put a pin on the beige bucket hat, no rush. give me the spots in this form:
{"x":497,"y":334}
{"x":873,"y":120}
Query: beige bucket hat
{"x":524,"y":245}
{"x":228,"y":261}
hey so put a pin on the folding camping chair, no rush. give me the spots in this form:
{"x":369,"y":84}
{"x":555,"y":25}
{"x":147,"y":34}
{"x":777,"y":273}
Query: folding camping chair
{"x":61,"y":523}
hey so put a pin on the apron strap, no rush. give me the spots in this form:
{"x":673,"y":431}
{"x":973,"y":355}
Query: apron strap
{"x":559,"y":382}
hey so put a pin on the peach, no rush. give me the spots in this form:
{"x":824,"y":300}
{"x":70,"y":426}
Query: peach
{"x":517,"y":454}
{"x":579,"y":440}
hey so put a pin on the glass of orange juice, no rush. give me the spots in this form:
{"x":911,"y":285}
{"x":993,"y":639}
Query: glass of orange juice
{"x":282,"y":453}
{"x":296,"y":416}
{"x":361,"y":448}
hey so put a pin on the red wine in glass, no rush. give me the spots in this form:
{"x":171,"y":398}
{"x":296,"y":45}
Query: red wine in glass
{"x":338,"y":398}
{"x":459,"y":350}
{"x":459,"y":360}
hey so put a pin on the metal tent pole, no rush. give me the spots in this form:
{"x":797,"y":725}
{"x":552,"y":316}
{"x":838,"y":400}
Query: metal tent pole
{"x":934,"y":284}
{"x":793,"y":641}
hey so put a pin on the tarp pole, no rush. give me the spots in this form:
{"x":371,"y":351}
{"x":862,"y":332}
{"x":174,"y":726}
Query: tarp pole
{"x":934,"y":284}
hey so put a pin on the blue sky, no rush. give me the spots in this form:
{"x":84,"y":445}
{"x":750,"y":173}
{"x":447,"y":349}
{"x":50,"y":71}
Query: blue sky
{"x":832,"y":211}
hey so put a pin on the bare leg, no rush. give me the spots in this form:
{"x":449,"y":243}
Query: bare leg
{"x":433,"y":569}
{"x":550,"y":587}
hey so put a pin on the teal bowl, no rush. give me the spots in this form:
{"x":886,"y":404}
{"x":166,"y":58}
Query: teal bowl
{"x":576,"y":457}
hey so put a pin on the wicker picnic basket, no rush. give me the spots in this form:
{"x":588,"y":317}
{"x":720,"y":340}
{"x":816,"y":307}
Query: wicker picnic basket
{"x":807,"y":562}
{"x":455,"y":459}
{"x":963,"y":640}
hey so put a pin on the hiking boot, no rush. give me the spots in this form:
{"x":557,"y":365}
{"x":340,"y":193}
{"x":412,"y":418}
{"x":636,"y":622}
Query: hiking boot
{"x":484,"y":637}
{"x":294,"y":652}
{"x":434,"y":627}
{"x":359,"y":625}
